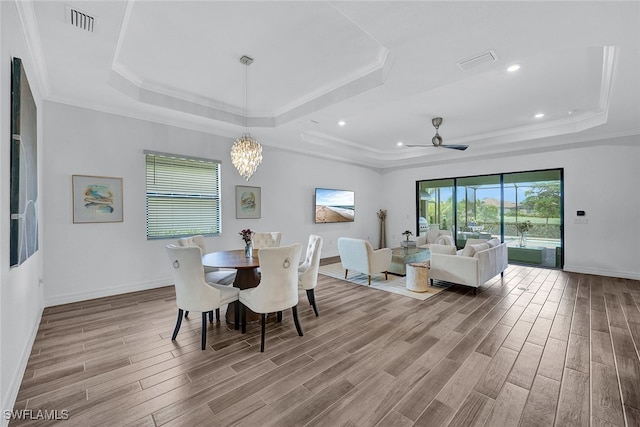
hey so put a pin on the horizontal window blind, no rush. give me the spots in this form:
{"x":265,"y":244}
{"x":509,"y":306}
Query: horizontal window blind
{"x":183,"y":196}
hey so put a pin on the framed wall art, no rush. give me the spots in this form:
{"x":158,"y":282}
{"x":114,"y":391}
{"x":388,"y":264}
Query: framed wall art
{"x":97,"y":199}
{"x":248,"y":203}
{"x":23,"y":203}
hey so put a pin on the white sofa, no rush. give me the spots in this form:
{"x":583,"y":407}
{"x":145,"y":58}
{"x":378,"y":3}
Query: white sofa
{"x":358,"y":255}
{"x":479,"y":261}
{"x":434,"y":236}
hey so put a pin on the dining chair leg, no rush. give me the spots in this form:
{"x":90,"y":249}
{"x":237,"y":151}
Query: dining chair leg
{"x":243,"y":315}
{"x":178,"y":323}
{"x":236,"y":315}
{"x":218,"y":314}
{"x":204,"y":330}
{"x":294,"y":310}
{"x":345,"y":273}
{"x":186,"y":314}
{"x":311,"y":296}
{"x":211,"y":316}
{"x":279,"y":317}
{"x":263,"y":318}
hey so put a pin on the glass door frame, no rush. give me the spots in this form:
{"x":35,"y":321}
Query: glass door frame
{"x":455,"y":182}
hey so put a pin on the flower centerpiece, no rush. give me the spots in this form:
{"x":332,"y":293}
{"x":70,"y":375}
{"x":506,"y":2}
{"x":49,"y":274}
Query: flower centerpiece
{"x":522,"y":228}
{"x":247,"y":234}
{"x":407,"y":233}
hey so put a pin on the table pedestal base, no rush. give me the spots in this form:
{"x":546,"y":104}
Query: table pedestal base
{"x":245,"y":278}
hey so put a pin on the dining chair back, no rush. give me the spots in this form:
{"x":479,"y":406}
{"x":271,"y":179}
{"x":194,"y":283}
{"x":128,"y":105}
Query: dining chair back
{"x":278,"y":288}
{"x":308,"y":270}
{"x":197,"y":240}
{"x":220,"y":276}
{"x":262,"y":239}
{"x":192,"y":292}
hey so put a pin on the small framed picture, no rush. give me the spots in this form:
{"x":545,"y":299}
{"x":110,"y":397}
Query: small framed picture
{"x":97,"y":199}
{"x":248,"y":202}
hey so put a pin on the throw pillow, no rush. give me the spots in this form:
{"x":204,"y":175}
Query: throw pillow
{"x":493,"y":242}
{"x":432,"y":235}
{"x":473,"y":249}
{"x":442,"y":249}
{"x":444,"y":240}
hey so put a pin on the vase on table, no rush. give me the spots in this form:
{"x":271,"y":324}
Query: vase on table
{"x":523,"y":240}
{"x":248,"y":250}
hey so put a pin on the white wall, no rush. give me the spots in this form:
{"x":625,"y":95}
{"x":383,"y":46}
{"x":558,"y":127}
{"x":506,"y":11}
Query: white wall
{"x":92,"y":260}
{"x":21,"y":298}
{"x":81,"y":261}
{"x":603,"y":181}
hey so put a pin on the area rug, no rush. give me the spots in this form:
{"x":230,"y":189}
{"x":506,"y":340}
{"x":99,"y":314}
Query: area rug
{"x":395,"y":284}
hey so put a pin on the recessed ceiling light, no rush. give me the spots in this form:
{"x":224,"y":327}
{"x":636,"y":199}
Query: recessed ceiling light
{"x":539,"y":115}
{"x":342,"y":123}
{"x":514,"y":67}
{"x":400,"y":144}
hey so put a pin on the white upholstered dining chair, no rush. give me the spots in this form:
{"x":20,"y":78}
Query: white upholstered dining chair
{"x":308,"y":270}
{"x":278,"y":288}
{"x":263,"y":239}
{"x":220,"y":276}
{"x":193,"y":293}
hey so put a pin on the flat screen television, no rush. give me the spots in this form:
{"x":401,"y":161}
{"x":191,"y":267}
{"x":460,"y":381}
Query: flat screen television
{"x":334,"y":205}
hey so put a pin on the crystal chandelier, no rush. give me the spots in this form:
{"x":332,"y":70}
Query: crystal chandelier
{"x":246,"y":152}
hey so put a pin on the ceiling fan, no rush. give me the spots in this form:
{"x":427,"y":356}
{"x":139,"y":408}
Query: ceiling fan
{"x":437,"y":139}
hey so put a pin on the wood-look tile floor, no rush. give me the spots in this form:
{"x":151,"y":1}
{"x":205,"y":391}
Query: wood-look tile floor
{"x":538,"y":347}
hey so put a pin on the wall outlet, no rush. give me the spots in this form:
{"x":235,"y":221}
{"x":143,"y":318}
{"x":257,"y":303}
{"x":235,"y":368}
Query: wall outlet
{"x":581,"y":220}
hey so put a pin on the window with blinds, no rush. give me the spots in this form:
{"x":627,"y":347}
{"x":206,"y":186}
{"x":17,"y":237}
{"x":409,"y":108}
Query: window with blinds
{"x":183,"y":196}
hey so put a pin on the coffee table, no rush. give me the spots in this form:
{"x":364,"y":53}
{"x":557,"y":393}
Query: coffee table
{"x":400,"y":257}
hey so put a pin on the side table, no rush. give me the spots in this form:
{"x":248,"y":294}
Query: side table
{"x":418,"y":276}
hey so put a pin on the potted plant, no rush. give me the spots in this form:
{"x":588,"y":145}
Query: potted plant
{"x":246,"y":236}
{"x":407,"y":233}
{"x":522,"y":228}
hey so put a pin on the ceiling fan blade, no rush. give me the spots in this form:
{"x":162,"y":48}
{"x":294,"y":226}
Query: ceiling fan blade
{"x":453,"y":147}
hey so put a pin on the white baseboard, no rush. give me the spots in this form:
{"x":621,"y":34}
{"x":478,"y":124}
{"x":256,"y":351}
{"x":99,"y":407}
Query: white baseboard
{"x":107,"y":292}
{"x":600,"y":272}
{"x":14,"y":386}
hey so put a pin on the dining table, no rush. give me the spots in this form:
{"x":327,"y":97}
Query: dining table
{"x":247,"y":275}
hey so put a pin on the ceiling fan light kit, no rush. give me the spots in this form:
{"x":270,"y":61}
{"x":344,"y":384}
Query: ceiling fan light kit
{"x":437,"y":139}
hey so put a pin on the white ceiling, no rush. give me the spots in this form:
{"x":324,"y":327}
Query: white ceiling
{"x":386,"y":68}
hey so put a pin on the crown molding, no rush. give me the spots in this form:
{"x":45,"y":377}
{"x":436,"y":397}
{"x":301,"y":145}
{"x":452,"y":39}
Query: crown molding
{"x":29,"y":25}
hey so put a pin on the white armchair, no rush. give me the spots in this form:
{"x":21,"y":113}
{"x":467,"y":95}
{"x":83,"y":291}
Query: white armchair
{"x":358,"y":255}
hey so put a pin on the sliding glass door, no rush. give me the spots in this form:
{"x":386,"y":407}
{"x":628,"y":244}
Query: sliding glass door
{"x":435,"y":204}
{"x":523,"y":209}
{"x":533,"y":217}
{"x":479,"y":208}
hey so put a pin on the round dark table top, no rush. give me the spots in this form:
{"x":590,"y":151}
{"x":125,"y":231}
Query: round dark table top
{"x":231,"y":259}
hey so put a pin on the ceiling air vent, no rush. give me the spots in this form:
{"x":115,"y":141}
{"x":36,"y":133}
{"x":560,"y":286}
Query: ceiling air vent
{"x":80,"y":19}
{"x":483,"y":58}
